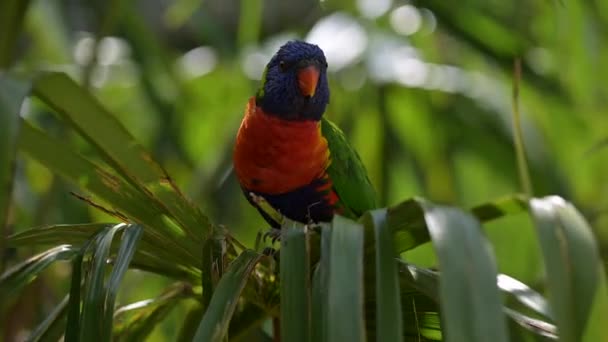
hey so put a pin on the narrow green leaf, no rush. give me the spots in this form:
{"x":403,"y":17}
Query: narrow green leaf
{"x":72,"y":327}
{"x":12,"y":13}
{"x":149,"y":256}
{"x":127,"y":201}
{"x":73,"y":234}
{"x":388,"y":299}
{"x":295,"y":283}
{"x":518,"y":138}
{"x":214,"y":325}
{"x":41,"y":332}
{"x":427,"y":281}
{"x":250,"y":22}
{"x":245,"y":321}
{"x":134,"y":322}
{"x":575,"y":275}
{"x":130,"y":238}
{"x":93,"y":308}
{"x":12,"y":94}
{"x":320,"y":288}
{"x":214,"y":250}
{"x":501,"y":207}
{"x":82,"y":110}
{"x":471,"y":306}
{"x":524,"y":294}
{"x":318,"y":300}
{"x":190,"y":323}
{"x":345,"y":298}
{"x":536,"y":326}
{"x":18,"y":276}
{"x":406,"y":219}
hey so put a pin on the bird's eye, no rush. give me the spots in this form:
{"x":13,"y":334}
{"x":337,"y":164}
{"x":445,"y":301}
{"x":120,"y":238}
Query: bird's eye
{"x":283,"y":65}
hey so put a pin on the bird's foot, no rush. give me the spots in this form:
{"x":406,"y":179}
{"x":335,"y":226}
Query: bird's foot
{"x":274,"y":234}
{"x":269,"y":251}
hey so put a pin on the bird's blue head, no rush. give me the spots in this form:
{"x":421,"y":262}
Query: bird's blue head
{"x":294,"y":84}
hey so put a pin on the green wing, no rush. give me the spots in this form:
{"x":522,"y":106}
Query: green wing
{"x":348,"y":173}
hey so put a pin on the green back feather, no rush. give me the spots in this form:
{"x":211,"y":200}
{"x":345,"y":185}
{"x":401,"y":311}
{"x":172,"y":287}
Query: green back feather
{"x":348,"y":173}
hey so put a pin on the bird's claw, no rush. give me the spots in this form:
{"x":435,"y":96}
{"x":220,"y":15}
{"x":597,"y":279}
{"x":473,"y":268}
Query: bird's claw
{"x":274,"y":234}
{"x":269,"y":251}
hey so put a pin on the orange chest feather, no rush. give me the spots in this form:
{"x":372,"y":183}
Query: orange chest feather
{"x":275,"y":156}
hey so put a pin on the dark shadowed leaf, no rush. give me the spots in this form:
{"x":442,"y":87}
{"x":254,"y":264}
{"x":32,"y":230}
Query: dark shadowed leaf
{"x":388,"y":299}
{"x":134,"y":322}
{"x":320,"y":288}
{"x":48,"y":329}
{"x":12,"y":94}
{"x":72,"y":327}
{"x":18,"y":276}
{"x":190,"y":323}
{"x":12,"y":13}
{"x":345,"y":284}
{"x":295,"y":283}
{"x":214,"y":325}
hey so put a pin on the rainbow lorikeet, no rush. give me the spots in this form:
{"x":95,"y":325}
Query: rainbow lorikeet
{"x":287,"y":153}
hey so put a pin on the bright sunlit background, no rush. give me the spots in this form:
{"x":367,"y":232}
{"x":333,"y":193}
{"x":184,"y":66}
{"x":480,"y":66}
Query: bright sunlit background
{"x":423,"y":89}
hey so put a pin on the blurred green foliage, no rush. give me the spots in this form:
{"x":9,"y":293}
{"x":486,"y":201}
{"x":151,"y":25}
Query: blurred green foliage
{"x":422,"y":88}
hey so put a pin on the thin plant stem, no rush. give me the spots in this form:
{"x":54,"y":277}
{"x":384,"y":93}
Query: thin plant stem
{"x":522,"y":164}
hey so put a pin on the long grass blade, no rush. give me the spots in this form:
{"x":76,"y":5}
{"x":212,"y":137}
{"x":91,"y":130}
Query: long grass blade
{"x":524,"y":295}
{"x":43,"y":331}
{"x":518,"y":136}
{"x":128,"y":245}
{"x":190,"y":323}
{"x":93,"y":306}
{"x":12,"y":13}
{"x":214,"y":325}
{"x":135,"y":321}
{"x":471,"y":304}
{"x":345,"y":286}
{"x":20,"y":275}
{"x":122,"y":152}
{"x":72,"y":327}
{"x":127,"y":201}
{"x":427,"y":281}
{"x":575,"y":275}
{"x":12,"y":94}
{"x":406,"y":219}
{"x":320,"y":288}
{"x":388,"y":298}
{"x":149,"y":256}
{"x":73,"y":234}
{"x":295,"y":283}
{"x":536,"y":326}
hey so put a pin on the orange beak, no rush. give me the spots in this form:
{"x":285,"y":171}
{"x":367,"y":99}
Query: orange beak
{"x":308,"y":78}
